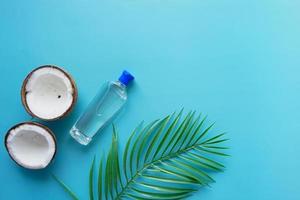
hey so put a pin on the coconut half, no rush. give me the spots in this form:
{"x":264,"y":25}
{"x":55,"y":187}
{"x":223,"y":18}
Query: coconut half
{"x":31,"y":145}
{"x":48,"y":93}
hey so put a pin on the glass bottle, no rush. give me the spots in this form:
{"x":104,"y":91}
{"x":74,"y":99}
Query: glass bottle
{"x":101,"y":110}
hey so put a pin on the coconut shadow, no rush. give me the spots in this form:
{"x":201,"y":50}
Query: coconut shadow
{"x":40,"y":175}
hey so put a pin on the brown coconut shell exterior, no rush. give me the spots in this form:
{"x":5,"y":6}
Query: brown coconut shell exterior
{"x":36,"y":124}
{"x":23,"y":92}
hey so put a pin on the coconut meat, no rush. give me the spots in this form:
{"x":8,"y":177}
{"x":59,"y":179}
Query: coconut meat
{"x":31,"y":146}
{"x":49,"y":93}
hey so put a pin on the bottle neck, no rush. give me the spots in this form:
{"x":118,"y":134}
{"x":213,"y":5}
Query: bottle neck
{"x":120,"y":84}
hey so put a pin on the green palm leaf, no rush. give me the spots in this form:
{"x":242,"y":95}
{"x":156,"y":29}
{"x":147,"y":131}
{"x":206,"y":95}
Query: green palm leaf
{"x":66,"y":188}
{"x":167,"y":159}
{"x":91,"y":182}
{"x":100,"y":180}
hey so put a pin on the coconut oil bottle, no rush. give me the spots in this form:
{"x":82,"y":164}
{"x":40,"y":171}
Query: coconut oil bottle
{"x":105,"y":105}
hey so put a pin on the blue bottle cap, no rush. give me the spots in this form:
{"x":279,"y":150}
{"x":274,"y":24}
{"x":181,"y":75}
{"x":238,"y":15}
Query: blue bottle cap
{"x":126,"y":77}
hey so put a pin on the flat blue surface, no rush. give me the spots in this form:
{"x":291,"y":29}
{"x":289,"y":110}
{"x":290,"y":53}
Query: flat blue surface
{"x":237,"y":61}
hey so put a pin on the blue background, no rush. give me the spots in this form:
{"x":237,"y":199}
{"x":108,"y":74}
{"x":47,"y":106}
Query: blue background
{"x":237,"y":61}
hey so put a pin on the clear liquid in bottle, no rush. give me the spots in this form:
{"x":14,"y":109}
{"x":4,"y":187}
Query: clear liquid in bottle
{"x":109,"y":100}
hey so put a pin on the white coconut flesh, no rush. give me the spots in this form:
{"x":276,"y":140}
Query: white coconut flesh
{"x":31,"y":146}
{"x":49,"y":93}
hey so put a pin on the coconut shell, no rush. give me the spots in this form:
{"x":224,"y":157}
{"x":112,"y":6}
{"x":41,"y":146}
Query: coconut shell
{"x":30,"y":123}
{"x":23,"y":93}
